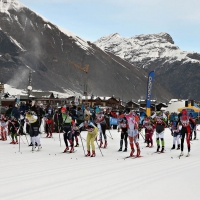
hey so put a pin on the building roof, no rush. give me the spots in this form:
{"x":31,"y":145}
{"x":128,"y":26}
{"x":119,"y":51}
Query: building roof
{"x":96,"y":97}
{"x":42,"y":94}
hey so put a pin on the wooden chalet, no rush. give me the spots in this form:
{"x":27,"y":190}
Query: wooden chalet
{"x":133,"y":105}
{"x":102,"y":101}
{"x":7,"y":102}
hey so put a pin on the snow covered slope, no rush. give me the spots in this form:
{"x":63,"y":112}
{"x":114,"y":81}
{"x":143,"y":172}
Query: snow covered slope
{"x":50,"y":174}
{"x":7,"y":5}
{"x":158,"y":52}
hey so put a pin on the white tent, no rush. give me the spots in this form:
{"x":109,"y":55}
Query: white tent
{"x":174,"y":105}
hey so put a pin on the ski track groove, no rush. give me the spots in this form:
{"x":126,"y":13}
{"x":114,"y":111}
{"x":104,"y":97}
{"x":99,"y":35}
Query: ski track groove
{"x":55,"y":171}
{"x":137,"y":182}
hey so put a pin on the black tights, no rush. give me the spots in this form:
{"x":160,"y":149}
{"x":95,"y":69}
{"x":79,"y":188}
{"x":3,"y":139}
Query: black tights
{"x":66,"y":135}
{"x":124,"y":136}
{"x":183,"y":134}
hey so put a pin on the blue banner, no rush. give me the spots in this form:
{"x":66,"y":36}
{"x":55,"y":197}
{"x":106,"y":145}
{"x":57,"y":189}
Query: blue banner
{"x":149,"y":91}
{"x":113,"y":121}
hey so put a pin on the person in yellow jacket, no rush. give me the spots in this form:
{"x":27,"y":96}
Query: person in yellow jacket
{"x":91,"y":137}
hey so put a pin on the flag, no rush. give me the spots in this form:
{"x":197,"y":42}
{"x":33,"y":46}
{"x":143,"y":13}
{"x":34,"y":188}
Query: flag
{"x":149,"y":93}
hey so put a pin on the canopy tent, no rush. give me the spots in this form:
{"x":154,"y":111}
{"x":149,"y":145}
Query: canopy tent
{"x":195,"y":108}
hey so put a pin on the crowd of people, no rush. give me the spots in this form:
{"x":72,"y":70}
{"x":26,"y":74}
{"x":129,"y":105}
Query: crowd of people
{"x":69,"y":121}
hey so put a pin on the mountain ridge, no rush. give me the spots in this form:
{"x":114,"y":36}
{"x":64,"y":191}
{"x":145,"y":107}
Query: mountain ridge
{"x":175,"y":69}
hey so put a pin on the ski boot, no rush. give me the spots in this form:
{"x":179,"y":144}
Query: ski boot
{"x":188,"y":155}
{"x":162,"y":150}
{"x":138,"y":152}
{"x":77,"y":145}
{"x":181,"y":154}
{"x":47,"y":135}
{"x":16,"y":142}
{"x":178,"y":147}
{"x":71,"y":150}
{"x":50,"y":136}
{"x":132,"y":152}
{"x":13,"y":142}
{"x":100,"y":145}
{"x":31,"y":144}
{"x":39,"y":147}
{"x":158,"y":148}
{"x":66,"y":149}
{"x":150,"y":146}
{"x":120,"y":149}
{"x":33,"y":148}
{"x":173,"y":147}
{"x":125,"y":150}
{"x":105,"y":145}
{"x":147,"y":145}
{"x":93,"y":154}
{"x":88,"y":154}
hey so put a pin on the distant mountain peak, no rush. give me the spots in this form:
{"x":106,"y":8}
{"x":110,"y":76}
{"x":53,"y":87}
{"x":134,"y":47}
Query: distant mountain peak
{"x":140,"y":48}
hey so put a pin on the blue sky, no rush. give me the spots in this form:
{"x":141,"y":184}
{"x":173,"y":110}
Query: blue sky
{"x":92,"y":19}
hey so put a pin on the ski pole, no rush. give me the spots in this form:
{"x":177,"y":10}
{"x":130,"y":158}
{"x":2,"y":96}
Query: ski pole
{"x":110,"y":134}
{"x":19,"y":140}
{"x":59,"y":132}
{"x":82,"y":144}
{"x":99,"y":148}
{"x":84,"y":138}
{"x":27,"y":140}
{"x":59,"y":135}
{"x":141,"y":135}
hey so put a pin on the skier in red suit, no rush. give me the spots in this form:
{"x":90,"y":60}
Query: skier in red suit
{"x":186,"y":130}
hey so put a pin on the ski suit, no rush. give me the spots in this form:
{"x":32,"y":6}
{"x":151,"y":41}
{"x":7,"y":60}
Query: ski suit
{"x":34,"y":127}
{"x":149,"y":130}
{"x":175,"y":133}
{"x":160,"y":129}
{"x":133,"y":133}
{"x":185,"y":131}
{"x":91,"y":136}
{"x":101,"y":124}
{"x":123,"y":125}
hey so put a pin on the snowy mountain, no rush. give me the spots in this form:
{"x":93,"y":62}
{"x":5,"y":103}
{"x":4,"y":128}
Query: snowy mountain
{"x":175,"y":69}
{"x":58,"y":59}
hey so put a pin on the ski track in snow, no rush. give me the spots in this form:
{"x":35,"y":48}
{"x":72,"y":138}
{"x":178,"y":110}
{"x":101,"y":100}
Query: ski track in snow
{"x":44,"y":175}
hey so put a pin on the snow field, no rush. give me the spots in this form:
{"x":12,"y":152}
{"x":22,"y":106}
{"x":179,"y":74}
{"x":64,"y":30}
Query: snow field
{"x":53,"y":175}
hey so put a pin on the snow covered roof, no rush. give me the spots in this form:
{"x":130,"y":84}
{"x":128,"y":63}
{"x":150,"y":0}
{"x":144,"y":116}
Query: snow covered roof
{"x":42,"y":94}
{"x":95,"y":97}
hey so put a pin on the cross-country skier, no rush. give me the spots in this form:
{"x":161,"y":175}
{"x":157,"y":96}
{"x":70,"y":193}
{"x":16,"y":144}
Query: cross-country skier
{"x":32,"y":118}
{"x":91,"y":137}
{"x":132,"y":132}
{"x":123,"y":125}
{"x":49,"y":126}
{"x":149,"y":130}
{"x":101,"y":124}
{"x":185,"y":131}
{"x":160,"y":129}
{"x":175,"y":131}
{"x":13,"y":126}
{"x":67,"y":128}
{"x":3,"y":128}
